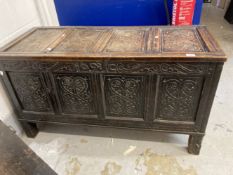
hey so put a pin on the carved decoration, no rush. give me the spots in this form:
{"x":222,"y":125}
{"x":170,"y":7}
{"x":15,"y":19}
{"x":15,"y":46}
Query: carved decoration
{"x":124,"y":96}
{"x":78,"y":67}
{"x":30,"y":91}
{"x":75,"y":94}
{"x":159,"y":68}
{"x":111,"y":67}
{"x":178,"y":98}
{"x":27,"y":65}
{"x":52,"y":66}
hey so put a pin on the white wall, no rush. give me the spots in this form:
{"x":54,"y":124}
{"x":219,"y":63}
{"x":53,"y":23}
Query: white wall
{"x":47,"y":12}
{"x":16,"y":17}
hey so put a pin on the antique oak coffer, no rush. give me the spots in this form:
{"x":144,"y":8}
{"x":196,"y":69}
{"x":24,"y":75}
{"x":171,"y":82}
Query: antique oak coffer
{"x":153,"y":78}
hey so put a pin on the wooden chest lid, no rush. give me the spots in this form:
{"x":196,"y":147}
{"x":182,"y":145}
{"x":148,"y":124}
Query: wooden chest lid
{"x":193,"y":43}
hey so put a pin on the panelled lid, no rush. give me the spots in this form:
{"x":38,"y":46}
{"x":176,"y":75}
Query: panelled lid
{"x":191,"y":43}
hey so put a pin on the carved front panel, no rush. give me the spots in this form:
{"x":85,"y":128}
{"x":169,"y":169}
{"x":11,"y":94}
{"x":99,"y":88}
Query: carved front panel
{"x":75,"y":93}
{"x":30,"y":91}
{"x":178,"y":98}
{"x":124,"y":96}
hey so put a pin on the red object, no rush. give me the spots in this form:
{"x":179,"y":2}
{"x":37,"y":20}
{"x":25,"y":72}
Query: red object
{"x":182,"y":13}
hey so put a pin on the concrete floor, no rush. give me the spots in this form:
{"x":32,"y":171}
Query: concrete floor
{"x":104,"y":151}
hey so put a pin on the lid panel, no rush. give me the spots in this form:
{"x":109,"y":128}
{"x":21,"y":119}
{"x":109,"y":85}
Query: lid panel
{"x":126,"y":41}
{"x":36,"y":41}
{"x":79,"y":40}
{"x":181,"y":40}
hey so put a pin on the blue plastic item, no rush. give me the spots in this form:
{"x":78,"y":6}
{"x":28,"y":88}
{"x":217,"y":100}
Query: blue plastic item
{"x":116,"y":12}
{"x":197,"y":12}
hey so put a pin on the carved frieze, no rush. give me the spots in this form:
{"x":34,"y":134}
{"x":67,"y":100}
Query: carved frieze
{"x":52,"y":66}
{"x":111,"y":67}
{"x":159,"y":68}
{"x":27,"y":65}
{"x":78,"y":67}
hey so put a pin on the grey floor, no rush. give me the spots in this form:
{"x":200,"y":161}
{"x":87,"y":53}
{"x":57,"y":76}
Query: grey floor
{"x":104,"y":151}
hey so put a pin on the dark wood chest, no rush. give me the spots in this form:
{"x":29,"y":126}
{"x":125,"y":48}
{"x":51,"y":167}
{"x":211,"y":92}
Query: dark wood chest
{"x":154,"y":78}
